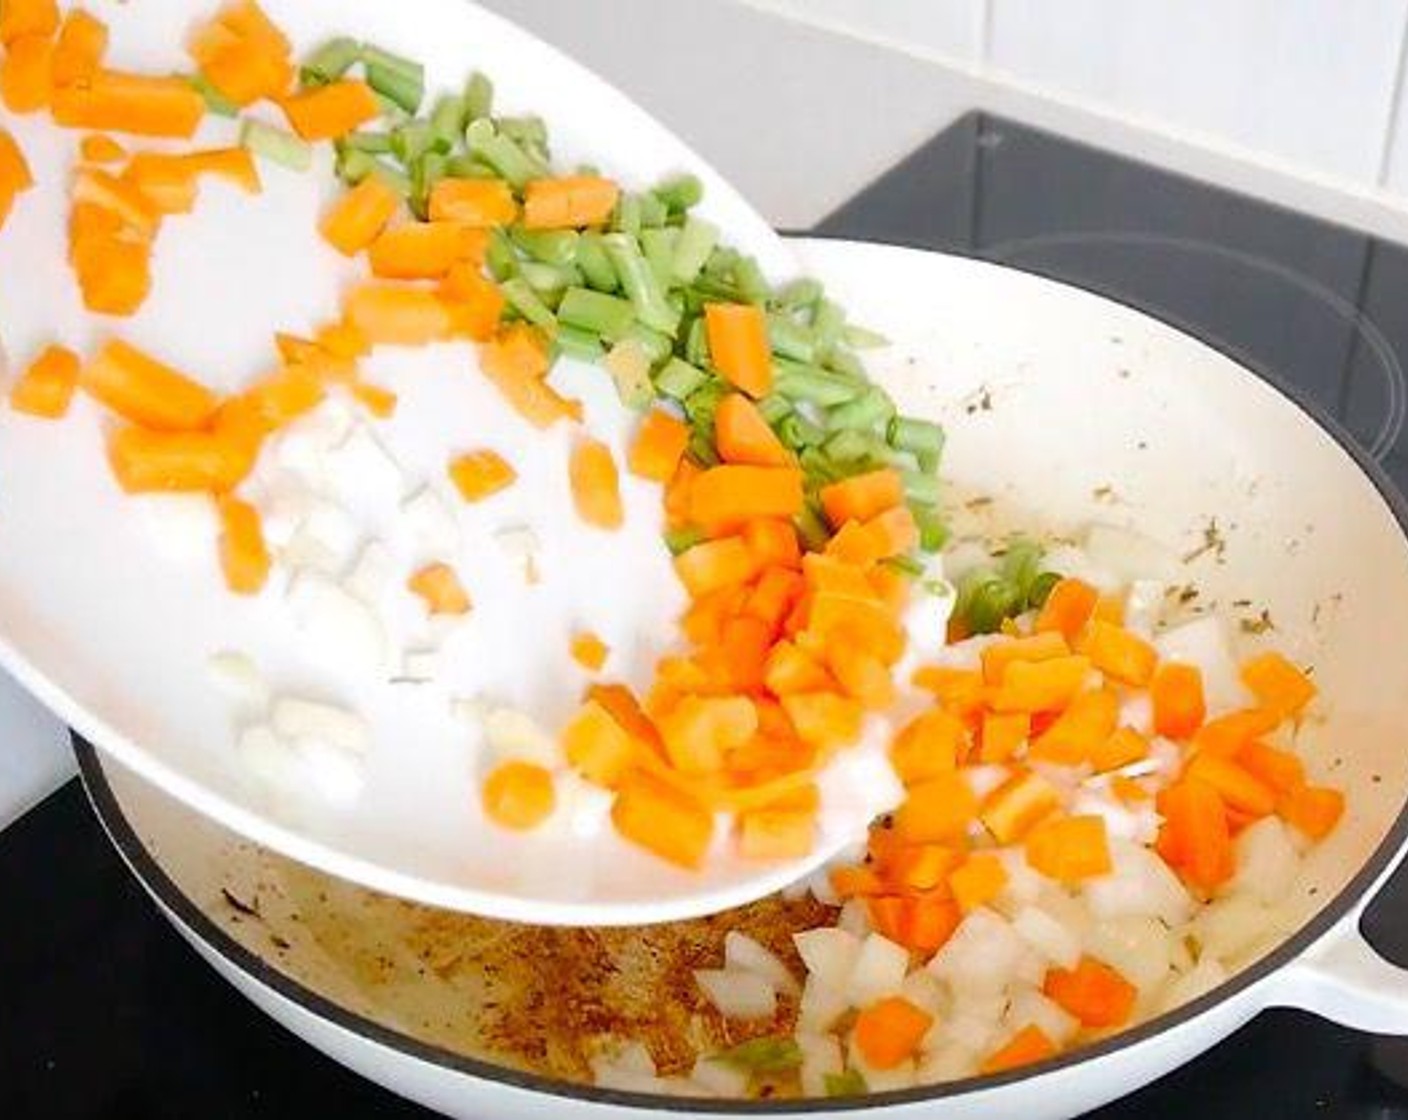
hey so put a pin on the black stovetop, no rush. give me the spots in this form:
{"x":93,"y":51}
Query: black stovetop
{"x":105,"y":1012}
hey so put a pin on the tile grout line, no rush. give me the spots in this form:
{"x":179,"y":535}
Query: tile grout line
{"x":1395,"y":100}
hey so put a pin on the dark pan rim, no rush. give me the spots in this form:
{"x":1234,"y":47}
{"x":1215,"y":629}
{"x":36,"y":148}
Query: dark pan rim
{"x":156,"y":880}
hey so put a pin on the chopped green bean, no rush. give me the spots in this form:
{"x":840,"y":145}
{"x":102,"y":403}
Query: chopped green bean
{"x":658,"y":245}
{"x":853,"y":446}
{"x":985,"y":599}
{"x":774,"y":408}
{"x":933,"y":531}
{"x":808,"y":383}
{"x":576,"y":343}
{"x":696,"y":241}
{"x":872,"y":407}
{"x":828,"y":321}
{"x":921,"y":437}
{"x":525,"y":300}
{"x":410,"y":141}
{"x":683,"y":539}
{"x":549,"y":280}
{"x":478,"y":98}
{"x":750,"y":280}
{"x":817,"y":464}
{"x":426,"y":171}
{"x":906,"y":565}
{"x":921,"y":488}
{"x":702,"y":449}
{"x":656,"y":345}
{"x":500,"y":256}
{"x":812,"y":528}
{"x":696,"y":343}
{"x":448,"y":121}
{"x":402,"y":80}
{"x":797,"y":432}
{"x":551,"y":246}
{"x":789,"y":339}
{"x":330,"y":61}
{"x":502,"y":154}
{"x":653,"y":211}
{"x":679,"y":379}
{"x":215,"y":101}
{"x":607,"y":316}
{"x":353,"y":166}
{"x":595,"y":264}
{"x":845,"y":363}
{"x":721,"y":261}
{"x":466,"y":166}
{"x":701,"y":404}
{"x":629,"y":366}
{"x":862,"y":339}
{"x":275,"y":144}
{"x":798,"y":294}
{"x":373,"y":143}
{"x":626,"y":219}
{"x":640,"y":283}
{"x":1041,"y":589}
{"x":680,"y":192}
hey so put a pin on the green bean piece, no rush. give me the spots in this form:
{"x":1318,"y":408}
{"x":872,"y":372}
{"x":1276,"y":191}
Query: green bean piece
{"x":985,"y":599}
{"x":696,"y":343}
{"x":426,"y":171}
{"x":551,"y":246}
{"x":653,"y":211}
{"x":478,"y":98}
{"x":820,"y":466}
{"x":607,"y":316}
{"x":906,"y":565}
{"x":574,"y":342}
{"x":921,"y":488}
{"x":640,"y":284}
{"x":812,"y":528}
{"x":657,"y":346}
{"x":525,"y":300}
{"x":696,"y":241}
{"x":680,"y":192}
{"x":400,"y":79}
{"x":502,"y":154}
{"x":1041,"y":589}
{"x":330,"y":61}
{"x":808,"y":383}
{"x":629,"y":367}
{"x":410,"y":141}
{"x":1021,"y":564}
{"x":683,"y":539}
{"x":751,"y":281}
{"x":701,"y":448}
{"x":448,"y":121}
{"x":215,"y":101}
{"x":658,"y":245}
{"x":933,"y":531}
{"x":797,"y":432}
{"x":595,"y":263}
{"x":626,"y":218}
{"x":852,"y":446}
{"x":500,"y":256}
{"x":788,"y":339}
{"x":774,"y":408}
{"x":799,"y":294}
{"x":373,"y":143}
{"x":467,"y":166}
{"x":679,"y":379}
{"x":920,"y":437}
{"x":872,"y":407}
{"x":701,"y":404}
{"x":828,"y":321}
{"x":352,"y":167}
{"x":859,"y":338}
{"x":275,"y":144}
{"x":845,"y":363}
{"x":721,"y":261}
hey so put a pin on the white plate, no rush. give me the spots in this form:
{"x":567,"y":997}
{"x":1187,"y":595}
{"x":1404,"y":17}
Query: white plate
{"x":114,"y":634}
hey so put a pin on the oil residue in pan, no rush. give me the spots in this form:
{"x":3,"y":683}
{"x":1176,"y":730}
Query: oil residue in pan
{"x":533,"y":998}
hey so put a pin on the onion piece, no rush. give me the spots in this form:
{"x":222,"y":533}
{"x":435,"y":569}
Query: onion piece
{"x":737,"y":994}
{"x":982,"y":957}
{"x":879,"y":970}
{"x":743,"y":953}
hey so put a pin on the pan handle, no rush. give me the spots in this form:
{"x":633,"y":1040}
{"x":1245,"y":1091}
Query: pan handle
{"x":1344,"y":979}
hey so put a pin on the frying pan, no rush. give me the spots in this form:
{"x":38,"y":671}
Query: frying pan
{"x":1062,"y":408}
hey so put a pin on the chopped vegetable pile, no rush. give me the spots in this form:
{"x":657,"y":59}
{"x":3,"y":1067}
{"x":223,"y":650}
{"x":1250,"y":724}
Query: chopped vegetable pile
{"x":1085,"y":837}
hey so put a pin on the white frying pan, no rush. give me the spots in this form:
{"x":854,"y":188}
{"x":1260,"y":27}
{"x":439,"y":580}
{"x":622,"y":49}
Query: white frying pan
{"x":1084,"y":394}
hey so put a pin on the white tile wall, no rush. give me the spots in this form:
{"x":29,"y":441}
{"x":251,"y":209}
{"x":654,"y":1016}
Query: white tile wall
{"x":1309,"y":81}
{"x":948,"y":28}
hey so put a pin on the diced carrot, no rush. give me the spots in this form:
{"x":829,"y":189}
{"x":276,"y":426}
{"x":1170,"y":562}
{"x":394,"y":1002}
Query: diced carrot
{"x":862,"y":676}
{"x":244,"y":556}
{"x":146,"y":391}
{"x":1238,"y":788}
{"x":855,"y":882}
{"x":1080,"y":731}
{"x":1120,"y":654}
{"x":827,"y":576}
{"x":589,"y":651}
{"x":79,"y":49}
{"x":479,"y":474}
{"x":236,"y":165}
{"x":380,"y":402}
{"x":738,"y":346}
{"x":1038,"y":647}
{"x":397,"y":315}
{"x":15,"y":175}
{"x":114,"y":275}
{"x":331,"y":111}
{"x":621,"y":704}
{"x":283,"y":396}
{"x":101,"y":148}
{"x":916,"y":867}
{"x":1027,"y":1047}
{"x":823,"y":719}
{"x":893,"y":533}
{"x":1012,"y":810}
{"x":937,"y":810}
{"x":570,"y":202}
{"x":248,"y":20}
{"x":834,"y":618}
{"x":958,"y":690}
{"x":519,"y":795}
{"x":1128,"y":790}
{"x":862,"y":496}
{"x":743,"y":645}
{"x":732,"y":495}
{"x":1195,"y":839}
{"x":123,"y":197}
{"x":343,"y":341}
{"x":701,"y":730}
{"x":46,"y":386}
{"x":1123,"y":747}
{"x":419,"y":250}
{"x":978,"y":881}
{"x":1002,"y":735}
{"x":742,"y":435}
{"x":597,"y":745}
{"x":476,"y":303}
{"x":478,"y":203}
{"x":1109,"y":609}
{"x":711,"y":565}
{"x":663,"y":819}
{"x":114,"y":101}
{"x":26,"y":73}
{"x":926,"y":922}
{"x":145,"y":461}
{"x":596,"y":490}
{"x":440,"y":588}
{"x":1177,"y":695}
{"x":888,"y":1032}
{"x":790,"y":670}
{"x":660,"y":441}
{"x":242,"y":70}
{"x":1040,"y":686}
{"x":1315,"y":810}
{"x":1069,"y":849}
{"x":930,"y":745}
{"x":1277,"y":684}
{"x":776,"y":833}
{"x":1093,"y":992}
{"x":1228,"y":734}
{"x":359,"y":215}
{"x":19,"y":18}
{"x":1278,"y":769}
{"x":1067,"y":608}
{"x":773,"y":542}
{"x":516,"y":360}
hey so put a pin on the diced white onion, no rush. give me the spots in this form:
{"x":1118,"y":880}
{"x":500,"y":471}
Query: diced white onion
{"x":363,"y":465}
{"x":820,"y":1006}
{"x":239,"y":678}
{"x":1202,"y":978}
{"x":1030,"y":1006}
{"x":181,"y":527}
{"x":1203,"y":642}
{"x":337,"y":774}
{"x":879,"y":970}
{"x":342,"y":627}
{"x":431,"y":523}
{"x":1143,"y":605}
{"x":720,"y":1079}
{"x":1129,"y":554}
{"x":371,"y":572}
{"x":737,"y":994}
{"x":1138,"y":948}
{"x":949,"y":1062}
{"x":1267,"y":861}
{"x":514,"y":735}
{"x":325,"y":541}
{"x":1047,"y":936}
{"x":1230,"y":927}
{"x":982,"y":956}
{"x":296,"y":719}
{"x":743,"y":952}
{"x":1139,"y":883}
{"x":821,"y":1056}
